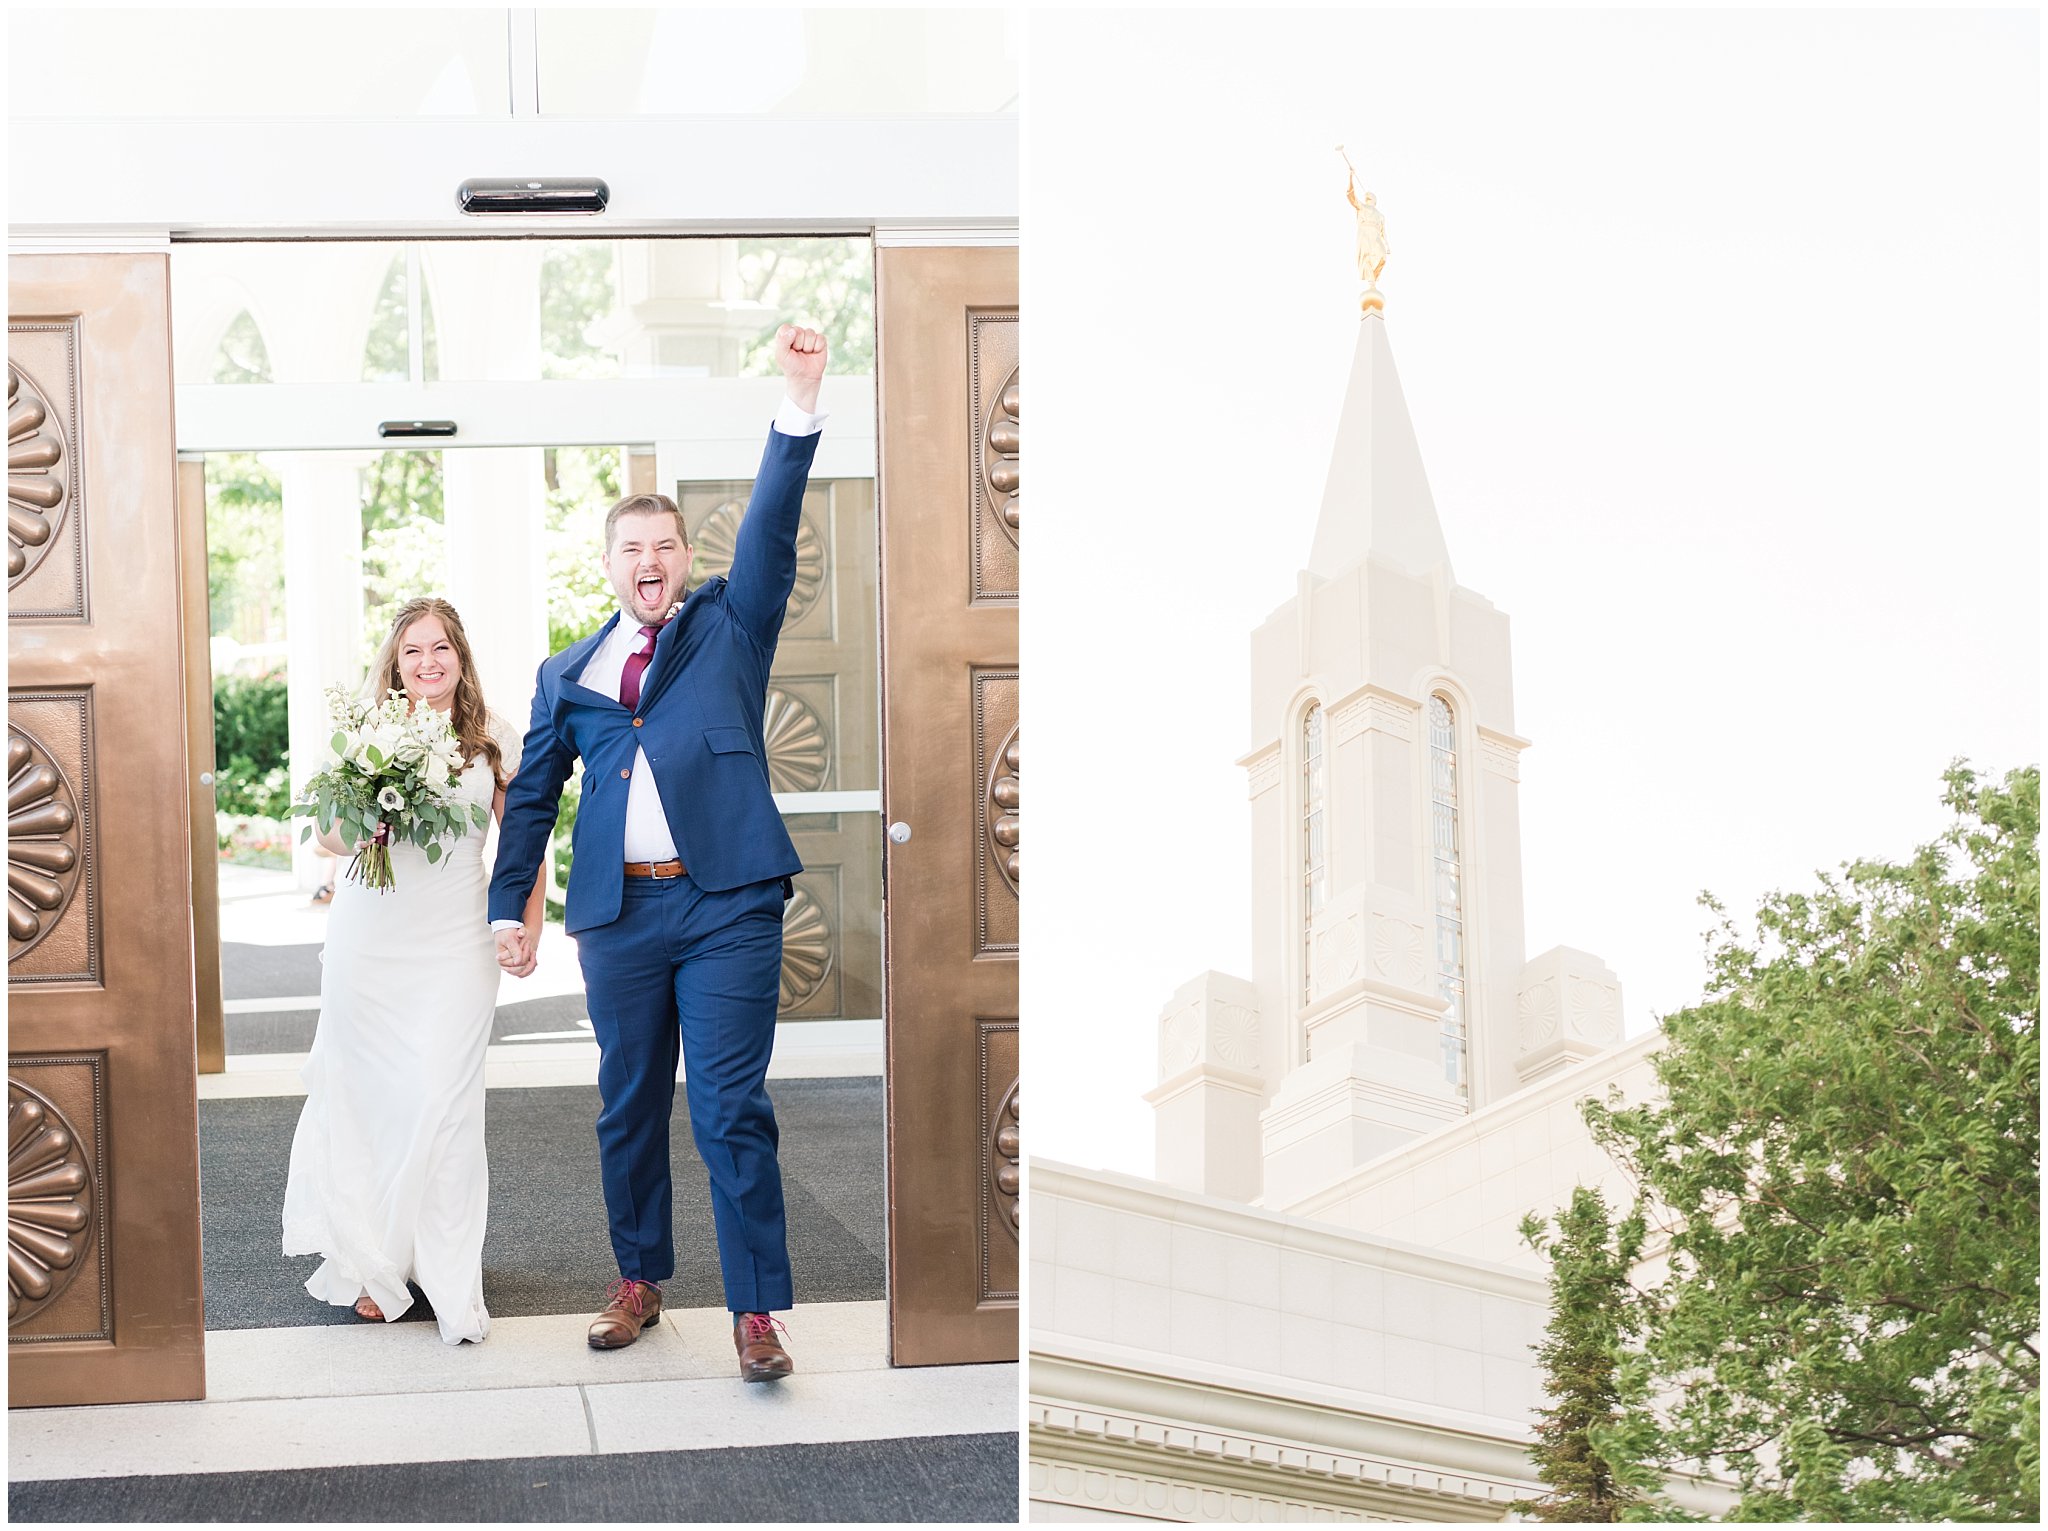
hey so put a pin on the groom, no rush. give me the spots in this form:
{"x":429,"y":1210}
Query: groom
{"x":680,"y":872}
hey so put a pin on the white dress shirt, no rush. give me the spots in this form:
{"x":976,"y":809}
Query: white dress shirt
{"x":648,"y":837}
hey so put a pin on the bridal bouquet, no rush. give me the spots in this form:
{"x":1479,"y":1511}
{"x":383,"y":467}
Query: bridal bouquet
{"x":393,"y":778}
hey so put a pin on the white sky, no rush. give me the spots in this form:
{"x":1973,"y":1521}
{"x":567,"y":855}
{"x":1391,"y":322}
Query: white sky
{"x":1720,"y":333}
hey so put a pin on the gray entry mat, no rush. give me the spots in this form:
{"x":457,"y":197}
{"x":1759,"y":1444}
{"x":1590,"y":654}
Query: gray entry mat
{"x":546,"y":1250}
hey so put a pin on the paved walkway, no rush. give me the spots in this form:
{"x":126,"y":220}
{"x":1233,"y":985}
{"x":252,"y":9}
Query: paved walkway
{"x":340,"y":1397}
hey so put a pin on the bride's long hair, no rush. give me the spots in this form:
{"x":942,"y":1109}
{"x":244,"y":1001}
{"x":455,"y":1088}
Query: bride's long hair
{"x":471,"y":719}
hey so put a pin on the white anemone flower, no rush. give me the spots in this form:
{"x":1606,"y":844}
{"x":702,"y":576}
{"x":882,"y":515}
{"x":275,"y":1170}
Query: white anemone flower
{"x":391,"y":798}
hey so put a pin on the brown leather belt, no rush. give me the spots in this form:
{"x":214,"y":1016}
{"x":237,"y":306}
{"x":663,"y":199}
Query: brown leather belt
{"x":654,"y":869}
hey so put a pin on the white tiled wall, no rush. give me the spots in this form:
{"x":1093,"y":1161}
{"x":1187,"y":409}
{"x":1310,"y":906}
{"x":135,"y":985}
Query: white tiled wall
{"x":1350,"y":1316}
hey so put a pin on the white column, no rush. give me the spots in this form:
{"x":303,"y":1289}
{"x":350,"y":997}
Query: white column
{"x":487,"y":309}
{"x":495,"y":502}
{"x":323,"y":593}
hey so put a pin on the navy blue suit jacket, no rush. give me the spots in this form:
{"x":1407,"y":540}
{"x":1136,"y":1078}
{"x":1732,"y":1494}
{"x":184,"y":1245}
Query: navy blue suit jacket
{"x":699,"y":721}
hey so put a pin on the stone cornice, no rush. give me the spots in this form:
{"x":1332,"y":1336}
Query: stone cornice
{"x":1232,"y":1429}
{"x":1285,"y":1230}
{"x":1375,"y":708}
{"x":1114,"y":1409}
{"x":1262,"y":768}
{"x":1204,"y":1073}
{"x":1279,"y":1122}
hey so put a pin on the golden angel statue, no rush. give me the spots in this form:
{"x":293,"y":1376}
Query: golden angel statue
{"x":1372,"y":237}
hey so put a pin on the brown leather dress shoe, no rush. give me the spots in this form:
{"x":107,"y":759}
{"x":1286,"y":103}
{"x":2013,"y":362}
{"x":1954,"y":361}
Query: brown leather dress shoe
{"x":630,"y":1306}
{"x":762,"y":1358}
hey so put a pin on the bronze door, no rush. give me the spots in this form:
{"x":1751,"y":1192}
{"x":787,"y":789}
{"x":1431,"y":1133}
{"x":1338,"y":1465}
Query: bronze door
{"x":946,"y":380}
{"x":103,"y":1152}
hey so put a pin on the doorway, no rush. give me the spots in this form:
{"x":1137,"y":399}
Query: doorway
{"x":297,"y":362}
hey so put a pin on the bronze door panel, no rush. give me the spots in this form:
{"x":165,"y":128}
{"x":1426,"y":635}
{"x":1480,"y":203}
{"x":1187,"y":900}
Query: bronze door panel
{"x":103,"y":1163}
{"x":821,"y":727}
{"x":947,"y":395}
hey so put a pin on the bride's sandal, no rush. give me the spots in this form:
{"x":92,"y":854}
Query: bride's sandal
{"x":366,"y":1307}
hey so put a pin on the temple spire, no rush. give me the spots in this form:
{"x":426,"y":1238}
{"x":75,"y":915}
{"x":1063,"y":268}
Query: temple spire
{"x":1376,"y":499}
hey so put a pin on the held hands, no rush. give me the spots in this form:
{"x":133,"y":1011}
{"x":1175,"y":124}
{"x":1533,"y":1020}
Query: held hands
{"x":517,"y":952}
{"x":801,"y":355}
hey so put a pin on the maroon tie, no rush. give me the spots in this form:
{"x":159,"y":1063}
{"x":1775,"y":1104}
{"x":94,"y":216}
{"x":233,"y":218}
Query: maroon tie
{"x":636,"y":666}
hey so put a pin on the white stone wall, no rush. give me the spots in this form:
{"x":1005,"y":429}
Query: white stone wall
{"x":1192,"y":1283}
{"x":1464,"y":1189}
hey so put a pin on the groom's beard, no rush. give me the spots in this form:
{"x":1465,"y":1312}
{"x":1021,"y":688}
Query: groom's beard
{"x":667,"y":613}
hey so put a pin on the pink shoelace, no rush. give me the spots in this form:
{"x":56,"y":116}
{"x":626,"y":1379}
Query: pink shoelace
{"x":761,"y":1326}
{"x":625,"y":1293}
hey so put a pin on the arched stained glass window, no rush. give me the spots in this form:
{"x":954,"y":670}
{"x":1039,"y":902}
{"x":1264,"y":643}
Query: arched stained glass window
{"x":1315,"y":863}
{"x":1448,"y":860}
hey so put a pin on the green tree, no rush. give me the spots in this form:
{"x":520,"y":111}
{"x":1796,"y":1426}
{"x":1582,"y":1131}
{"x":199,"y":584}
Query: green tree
{"x":1592,"y":1322}
{"x":244,"y":548}
{"x":582,"y":484}
{"x":827,"y":284}
{"x":1848,"y":1142}
{"x":577,"y":286}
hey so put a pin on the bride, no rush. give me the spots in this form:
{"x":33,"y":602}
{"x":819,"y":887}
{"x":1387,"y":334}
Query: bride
{"x":388,"y":1177}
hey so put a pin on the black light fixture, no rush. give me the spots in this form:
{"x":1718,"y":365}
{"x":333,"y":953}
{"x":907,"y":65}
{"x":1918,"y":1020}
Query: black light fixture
{"x":483,"y":196}
{"x":389,"y":428}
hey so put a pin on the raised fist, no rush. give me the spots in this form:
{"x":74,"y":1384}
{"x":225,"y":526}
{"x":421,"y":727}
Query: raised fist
{"x":800,"y":353}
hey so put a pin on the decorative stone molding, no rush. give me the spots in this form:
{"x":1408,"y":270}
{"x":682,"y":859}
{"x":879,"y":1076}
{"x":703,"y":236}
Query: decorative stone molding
{"x":1166,"y":1470}
{"x":1369,"y":933}
{"x":1264,"y":773}
{"x":1500,"y":756}
{"x":1158,"y":1496}
{"x":1378,"y":713}
{"x":1212,"y":1022}
{"x":1567,"y":1008}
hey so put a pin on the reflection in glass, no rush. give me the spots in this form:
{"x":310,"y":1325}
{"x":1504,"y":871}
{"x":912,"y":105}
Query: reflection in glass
{"x":241,"y":356}
{"x":387,"y":349}
{"x":515,"y":310}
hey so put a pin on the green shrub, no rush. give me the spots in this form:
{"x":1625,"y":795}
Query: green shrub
{"x":251,"y":746}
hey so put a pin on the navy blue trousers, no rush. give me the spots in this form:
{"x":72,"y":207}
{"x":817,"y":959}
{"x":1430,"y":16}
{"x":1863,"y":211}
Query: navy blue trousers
{"x":685,"y":972}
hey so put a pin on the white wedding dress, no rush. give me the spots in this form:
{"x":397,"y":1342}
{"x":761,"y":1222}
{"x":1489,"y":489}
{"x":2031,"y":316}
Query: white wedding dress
{"x":388,"y":1176}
